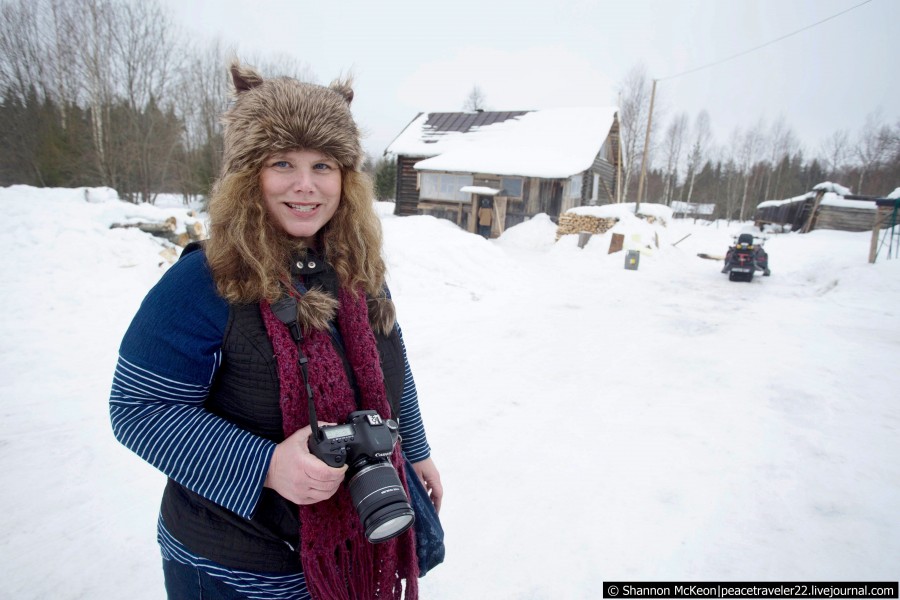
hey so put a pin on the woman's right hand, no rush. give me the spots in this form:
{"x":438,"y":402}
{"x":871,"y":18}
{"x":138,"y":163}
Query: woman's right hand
{"x":298,"y":475}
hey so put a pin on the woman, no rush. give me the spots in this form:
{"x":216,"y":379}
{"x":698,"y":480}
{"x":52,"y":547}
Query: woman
{"x":208,"y":389}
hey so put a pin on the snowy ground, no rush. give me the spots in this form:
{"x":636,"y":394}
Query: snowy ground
{"x":591,"y":423}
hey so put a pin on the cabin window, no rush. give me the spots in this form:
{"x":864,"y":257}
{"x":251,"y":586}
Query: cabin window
{"x":573,"y":186}
{"x":444,"y":186}
{"x":511,"y":186}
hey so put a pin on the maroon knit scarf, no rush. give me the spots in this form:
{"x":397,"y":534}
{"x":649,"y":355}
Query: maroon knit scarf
{"x":338,"y":561}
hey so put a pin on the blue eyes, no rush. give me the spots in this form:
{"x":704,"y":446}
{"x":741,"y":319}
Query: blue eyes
{"x":283,"y":164}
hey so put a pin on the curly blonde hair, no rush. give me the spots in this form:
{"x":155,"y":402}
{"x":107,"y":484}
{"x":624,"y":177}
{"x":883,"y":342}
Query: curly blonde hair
{"x":250,"y":255}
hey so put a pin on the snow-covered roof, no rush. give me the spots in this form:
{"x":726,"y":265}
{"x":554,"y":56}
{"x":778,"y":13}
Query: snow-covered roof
{"x":549,"y":143}
{"x":827,"y":186}
{"x":833,"y":196}
{"x":693,"y":208}
{"x":477,"y":189}
{"x":769,"y":203}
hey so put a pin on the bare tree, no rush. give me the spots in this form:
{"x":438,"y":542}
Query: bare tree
{"x":750,"y":146}
{"x":873,"y":145}
{"x":201,"y":95}
{"x":22,"y":55}
{"x":672,"y":145}
{"x":280,"y":65}
{"x":95,"y":65}
{"x":701,"y":135}
{"x":782,"y":142}
{"x":62,"y":57}
{"x":634,"y":110}
{"x":733,"y":174}
{"x":835,"y":150}
{"x":146,"y":56}
{"x":475,"y":100}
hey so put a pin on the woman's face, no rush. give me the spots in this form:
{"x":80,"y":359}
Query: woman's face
{"x":302,"y":190}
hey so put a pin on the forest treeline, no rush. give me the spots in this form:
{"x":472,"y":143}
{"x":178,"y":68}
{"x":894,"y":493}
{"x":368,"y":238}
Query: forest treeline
{"x":765,"y":161}
{"x":110,"y":93}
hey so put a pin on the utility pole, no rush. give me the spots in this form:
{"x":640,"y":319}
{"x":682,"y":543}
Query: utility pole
{"x":637,"y":206}
{"x":618,"y":151}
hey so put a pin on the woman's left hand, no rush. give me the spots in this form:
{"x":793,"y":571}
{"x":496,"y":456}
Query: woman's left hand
{"x":431,"y":479}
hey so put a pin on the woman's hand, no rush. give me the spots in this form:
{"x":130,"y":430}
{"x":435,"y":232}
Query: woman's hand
{"x":431,"y":479}
{"x":298,"y":475}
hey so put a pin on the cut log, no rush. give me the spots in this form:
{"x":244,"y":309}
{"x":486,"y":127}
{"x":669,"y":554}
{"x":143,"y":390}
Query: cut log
{"x":167,"y":230}
{"x":160,"y":229}
{"x":196,"y":231}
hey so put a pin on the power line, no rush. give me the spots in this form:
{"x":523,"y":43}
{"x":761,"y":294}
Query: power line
{"x":719,"y":62}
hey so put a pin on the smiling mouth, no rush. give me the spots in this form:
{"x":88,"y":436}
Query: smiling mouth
{"x":305,"y":208}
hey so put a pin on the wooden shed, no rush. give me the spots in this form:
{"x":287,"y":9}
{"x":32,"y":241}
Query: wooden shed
{"x":532,"y":162}
{"x":827,"y":206}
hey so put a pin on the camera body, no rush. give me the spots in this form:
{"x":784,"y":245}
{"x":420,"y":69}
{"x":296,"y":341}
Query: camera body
{"x":365,"y":438}
{"x":365,"y":443}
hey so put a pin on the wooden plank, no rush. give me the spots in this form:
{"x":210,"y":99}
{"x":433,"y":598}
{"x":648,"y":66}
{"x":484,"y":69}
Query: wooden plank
{"x":616,"y":243}
{"x":812,"y":214}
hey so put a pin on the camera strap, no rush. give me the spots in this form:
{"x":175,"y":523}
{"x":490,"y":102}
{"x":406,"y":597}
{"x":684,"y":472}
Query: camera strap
{"x":285,"y":309}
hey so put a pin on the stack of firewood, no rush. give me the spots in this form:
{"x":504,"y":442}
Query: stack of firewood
{"x":571,"y":223}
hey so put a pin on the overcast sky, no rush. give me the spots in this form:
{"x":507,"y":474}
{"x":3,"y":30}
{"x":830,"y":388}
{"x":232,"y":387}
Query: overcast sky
{"x":410,"y":57}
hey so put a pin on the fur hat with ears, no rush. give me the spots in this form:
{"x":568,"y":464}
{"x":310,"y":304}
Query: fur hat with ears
{"x":280,"y":114}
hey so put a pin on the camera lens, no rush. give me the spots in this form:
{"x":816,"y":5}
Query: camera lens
{"x":381,"y":502}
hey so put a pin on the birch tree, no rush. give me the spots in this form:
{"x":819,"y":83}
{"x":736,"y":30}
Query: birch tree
{"x":835,"y":151}
{"x":748,"y":154}
{"x":781,"y":143}
{"x":634,"y":110}
{"x":701,"y":134}
{"x":672,"y":147}
{"x":872,"y":146}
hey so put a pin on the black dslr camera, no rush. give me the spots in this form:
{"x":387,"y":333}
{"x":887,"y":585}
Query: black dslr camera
{"x":365,"y":443}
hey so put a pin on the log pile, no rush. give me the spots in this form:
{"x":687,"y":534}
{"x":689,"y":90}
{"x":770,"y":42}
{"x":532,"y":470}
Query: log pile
{"x":571,"y":223}
{"x":168,"y":230}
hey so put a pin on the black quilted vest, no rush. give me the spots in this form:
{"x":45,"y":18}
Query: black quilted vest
{"x":246,"y":391}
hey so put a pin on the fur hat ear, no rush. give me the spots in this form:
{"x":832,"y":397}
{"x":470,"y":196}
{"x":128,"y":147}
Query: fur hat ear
{"x":244,"y":78}
{"x":344,"y":87}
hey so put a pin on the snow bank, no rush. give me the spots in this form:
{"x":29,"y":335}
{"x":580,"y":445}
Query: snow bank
{"x":694,"y":467}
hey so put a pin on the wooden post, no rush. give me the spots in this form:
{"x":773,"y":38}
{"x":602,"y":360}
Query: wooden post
{"x":637,"y":206}
{"x":876,"y":228}
{"x":619,"y":166}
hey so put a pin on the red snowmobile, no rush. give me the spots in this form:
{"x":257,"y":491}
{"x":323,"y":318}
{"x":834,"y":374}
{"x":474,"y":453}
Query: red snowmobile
{"x":745,"y":258}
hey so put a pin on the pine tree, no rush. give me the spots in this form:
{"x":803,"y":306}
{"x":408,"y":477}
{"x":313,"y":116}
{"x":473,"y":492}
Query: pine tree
{"x":386,"y":178}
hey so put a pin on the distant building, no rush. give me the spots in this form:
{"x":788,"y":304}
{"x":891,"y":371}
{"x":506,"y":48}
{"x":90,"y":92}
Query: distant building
{"x":827,"y":206}
{"x":516,"y":163}
{"x":692,"y":209}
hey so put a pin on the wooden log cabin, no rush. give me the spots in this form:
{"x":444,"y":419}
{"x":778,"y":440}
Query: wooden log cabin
{"x":516,"y":163}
